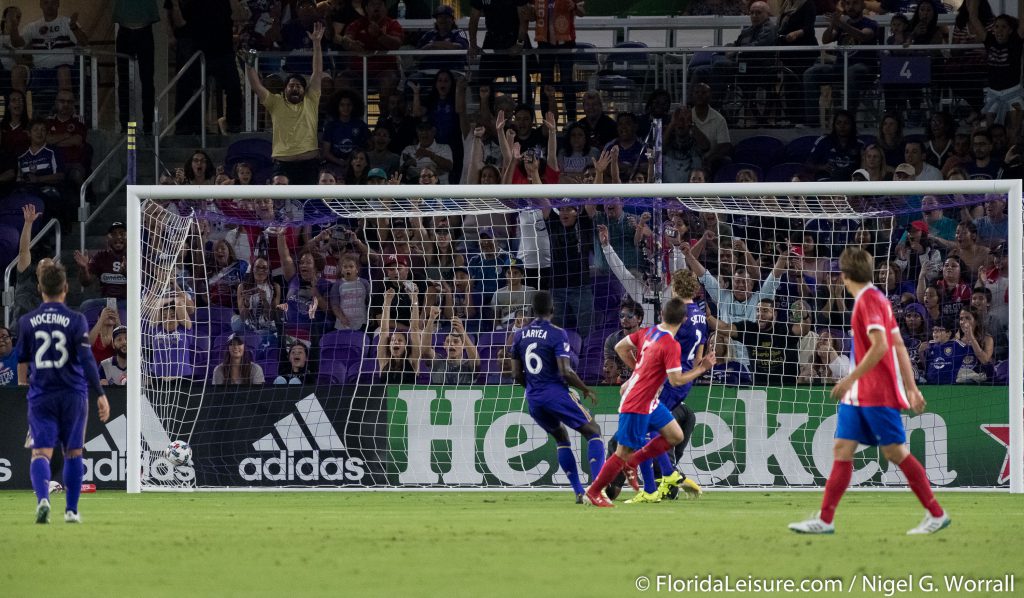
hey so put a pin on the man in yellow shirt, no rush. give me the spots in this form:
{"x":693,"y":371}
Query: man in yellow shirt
{"x":294,"y":116}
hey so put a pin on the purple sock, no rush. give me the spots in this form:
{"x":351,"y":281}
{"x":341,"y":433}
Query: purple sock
{"x":74,"y":470}
{"x":39,"y":471}
{"x":647,"y":473}
{"x":664,"y":464}
{"x":567,"y":461}
{"x":595,"y":453}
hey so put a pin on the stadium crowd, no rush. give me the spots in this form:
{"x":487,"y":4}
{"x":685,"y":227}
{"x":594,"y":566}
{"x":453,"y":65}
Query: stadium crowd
{"x":267,"y":299}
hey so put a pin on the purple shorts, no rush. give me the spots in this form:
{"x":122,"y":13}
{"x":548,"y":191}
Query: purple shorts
{"x":58,"y":418}
{"x":549,"y":414}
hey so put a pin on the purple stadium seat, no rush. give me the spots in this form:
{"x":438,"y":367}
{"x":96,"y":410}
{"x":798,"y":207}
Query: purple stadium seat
{"x":337,"y":371}
{"x":760,"y":150}
{"x":868,"y":139}
{"x":799,"y":149}
{"x":784,"y":173}
{"x":343,"y":345}
{"x":92,"y":315}
{"x":575,"y":341}
{"x":727,"y":172}
{"x":1001,"y":373}
{"x":591,"y":362}
{"x":254,"y":151}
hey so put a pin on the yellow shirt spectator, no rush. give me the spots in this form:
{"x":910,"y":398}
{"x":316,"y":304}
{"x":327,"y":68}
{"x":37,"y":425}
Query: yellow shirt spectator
{"x":294,"y":124}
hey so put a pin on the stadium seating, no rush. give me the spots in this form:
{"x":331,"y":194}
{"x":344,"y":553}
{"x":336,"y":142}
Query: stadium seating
{"x":762,"y":151}
{"x":799,"y":149}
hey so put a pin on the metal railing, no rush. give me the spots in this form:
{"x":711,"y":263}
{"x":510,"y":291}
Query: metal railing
{"x":85,"y":213}
{"x":199,"y":94}
{"x":9,"y":289}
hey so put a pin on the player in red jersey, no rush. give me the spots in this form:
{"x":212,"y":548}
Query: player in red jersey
{"x":640,"y":412}
{"x":870,"y":400}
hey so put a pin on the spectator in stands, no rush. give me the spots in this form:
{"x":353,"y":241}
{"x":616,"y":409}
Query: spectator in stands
{"x":611,"y":372}
{"x":347,"y":132}
{"x":658,"y":106}
{"x":904,"y":172}
{"x":740,"y":302}
{"x":916,"y":252}
{"x":981,"y":302}
{"x":199,"y":169}
{"x":507,"y":35}
{"x":171,"y":337}
{"x":295,"y":369}
{"x":954,"y":293}
{"x":66,"y":135}
{"x":26,"y":291}
{"x":890,"y":139}
{"x":15,"y":75}
{"x":403,"y":308}
{"x":872,"y":161}
{"x":1003,"y":94}
{"x":306,"y":302}
{"x":14,"y":127}
{"x":8,"y":358}
{"x":395,"y":118}
{"x":257,"y":298}
{"x":769,"y":344}
{"x":442,"y":108}
{"x":993,"y":226}
{"x":993,"y":275}
{"x":914,"y":326}
{"x":984,"y":166}
{"x":512,"y":299}
{"x":379,"y":154}
{"x":829,"y":364}
{"x":45,"y":37}
{"x":849,"y":28}
{"x":108,"y":266}
{"x":632,"y":152}
{"x":556,"y":30}
{"x":226,"y":272}
{"x":794,"y":284}
{"x":114,"y":369}
{"x":486,"y":267}
{"x":968,"y":249}
{"x":725,"y":67}
{"x":40,"y":169}
{"x":941,"y":131}
{"x":837,"y":154}
{"x":972,"y":333}
{"x":801,"y":326}
{"x":358,"y":168}
{"x":834,"y":305}
{"x":460,"y":360}
{"x":349,"y":297}
{"x":444,"y":36}
{"x":913,"y":154}
{"x":942,"y":357}
{"x":960,"y":155}
{"x":135,"y":22}
{"x":631,"y":315}
{"x":427,"y":153}
{"x":728,"y":370}
{"x":465,"y":303}
{"x":682,"y":155}
{"x":294,"y":117}
{"x":600,"y":127}
{"x":710,"y":128}
{"x":374,"y":32}
{"x":796,"y":28}
{"x":622,"y":234}
{"x":577,"y":153}
{"x":572,"y":239}
{"x":237,"y":366}
{"x":941,"y":230}
{"x":399,"y":352}
{"x":484,"y":159}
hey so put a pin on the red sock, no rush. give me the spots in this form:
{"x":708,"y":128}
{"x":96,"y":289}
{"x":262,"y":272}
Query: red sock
{"x":836,"y":485}
{"x":611,"y":468}
{"x":917,"y":479}
{"x":651,"y":450}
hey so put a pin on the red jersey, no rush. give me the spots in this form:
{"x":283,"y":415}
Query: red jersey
{"x":359,"y":30}
{"x":658,"y":354}
{"x":882,"y":386}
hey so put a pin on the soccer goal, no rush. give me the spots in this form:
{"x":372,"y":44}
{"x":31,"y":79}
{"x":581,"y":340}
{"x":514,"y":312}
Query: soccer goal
{"x":364,"y":341}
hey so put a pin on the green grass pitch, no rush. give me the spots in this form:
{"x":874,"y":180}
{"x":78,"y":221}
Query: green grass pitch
{"x":481,"y":544}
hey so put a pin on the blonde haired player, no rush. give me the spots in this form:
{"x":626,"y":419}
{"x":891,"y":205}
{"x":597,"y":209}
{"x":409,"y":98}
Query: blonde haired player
{"x":871,"y":397}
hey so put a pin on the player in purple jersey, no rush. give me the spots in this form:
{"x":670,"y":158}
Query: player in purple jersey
{"x":544,"y":350}
{"x":56,"y":362}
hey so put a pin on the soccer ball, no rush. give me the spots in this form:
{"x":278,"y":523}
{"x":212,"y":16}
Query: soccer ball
{"x":179,"y":452}
{"x":55,"y":487}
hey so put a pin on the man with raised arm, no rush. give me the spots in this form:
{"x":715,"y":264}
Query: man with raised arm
{"x":870,"y":400}
{"x":294,"y":117}
{"x":55,"y":361}
{"x":544,"y":350}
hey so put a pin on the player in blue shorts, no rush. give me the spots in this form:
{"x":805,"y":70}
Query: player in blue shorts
{"x":543,"y":350}
{"x":56,"y":362}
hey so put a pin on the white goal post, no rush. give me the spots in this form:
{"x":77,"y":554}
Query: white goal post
{"x":368,"y":201}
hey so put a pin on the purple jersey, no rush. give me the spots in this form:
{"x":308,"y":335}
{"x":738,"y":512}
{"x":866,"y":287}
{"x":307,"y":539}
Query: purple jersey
{"x":54,"y":341}
{"x":691,"y":335}
{"x":537,"y":347}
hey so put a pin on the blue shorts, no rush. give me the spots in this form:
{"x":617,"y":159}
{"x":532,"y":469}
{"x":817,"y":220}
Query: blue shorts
{"x":634,"y":427}
{"x":874,"y":426}
{"x":552,"y":413}
{"x":58,"y":418}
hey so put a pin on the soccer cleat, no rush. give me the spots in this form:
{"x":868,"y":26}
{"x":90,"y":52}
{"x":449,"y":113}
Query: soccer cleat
{"x":691,"y":488}
{"x":598,"y":500}
{"x":813,"y":525}
{"x":631,"y":477}
{"x":43,"y":511}
{"x":579,"y":499}
{"x":930,"y":525}
{"x":72,"y":517}
{"x":644,"y":497}
{"x":668,"y":483}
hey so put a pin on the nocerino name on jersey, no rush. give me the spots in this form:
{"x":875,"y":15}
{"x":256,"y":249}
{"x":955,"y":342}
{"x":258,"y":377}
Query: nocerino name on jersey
{"x":284,"y":466}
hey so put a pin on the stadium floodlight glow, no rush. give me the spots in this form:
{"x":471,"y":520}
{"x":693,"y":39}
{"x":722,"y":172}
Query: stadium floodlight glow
{"x":302,"y":435}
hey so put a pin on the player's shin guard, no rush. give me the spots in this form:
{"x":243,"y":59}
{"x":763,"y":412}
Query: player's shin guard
{"x":567,"y":461}
{"x":74,"y":470}
{"x":612,"y":467}
{"x":595,"y":454}
{"x":647,"y":474}
{"x":836,"y":485}
{"x":651,"y":450}
{"x":39,"y":471}
{"x":917,"y":479}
